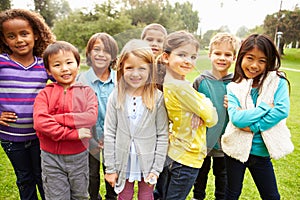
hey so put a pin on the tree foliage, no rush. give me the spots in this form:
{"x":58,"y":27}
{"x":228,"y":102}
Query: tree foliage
{"x":124,"y":20}
{"x":287,"y":22}
{"x":52,"y":9}
{"x":5,"y":4}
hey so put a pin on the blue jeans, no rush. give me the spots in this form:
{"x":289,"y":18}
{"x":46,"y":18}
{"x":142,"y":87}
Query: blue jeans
{"x":26,"y":161}
{"x":175,"y":181}
{"x":262,"y":172}
{"x":219,"y":172}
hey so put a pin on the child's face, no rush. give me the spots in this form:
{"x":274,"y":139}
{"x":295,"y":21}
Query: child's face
{"x":63,"y":67}
{"x":181,"y":61}
{"x":19,"y":37}
{"x":221,"y":57}
{"x":99,"y":57}
{"x":155,"y":39}
{"x":254,"y":63}
{"x":136,"y":72}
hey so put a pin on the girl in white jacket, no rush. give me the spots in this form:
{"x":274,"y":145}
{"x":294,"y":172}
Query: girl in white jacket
{"x":258,"y":105}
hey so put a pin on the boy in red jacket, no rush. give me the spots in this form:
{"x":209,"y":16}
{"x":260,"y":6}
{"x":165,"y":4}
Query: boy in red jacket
{"x":63,"y":114}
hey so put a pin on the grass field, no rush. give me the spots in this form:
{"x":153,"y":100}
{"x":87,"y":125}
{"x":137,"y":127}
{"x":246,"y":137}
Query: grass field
{"x":287,"y":169}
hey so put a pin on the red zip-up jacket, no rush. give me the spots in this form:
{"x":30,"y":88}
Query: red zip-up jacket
{"x":59,"y":113}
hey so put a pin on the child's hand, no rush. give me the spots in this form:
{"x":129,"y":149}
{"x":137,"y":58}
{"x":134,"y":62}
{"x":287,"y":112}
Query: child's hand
{"x":111,"y":178}
{"x":7,"y":117}
{"x":225,"y":102}
{"x":84,"y":133}
{"x":271,"y":105}
{"x":196,"y":122}
{"x":100,"y":144}
{"x":247,"y":129}
{"x":151,"y":179}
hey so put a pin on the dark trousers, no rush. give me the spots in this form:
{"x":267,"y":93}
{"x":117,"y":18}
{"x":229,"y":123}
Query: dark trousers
{"x":94,"y":180}
{"x":219,"y":172}
{"x":262,"y":172}
{"x":25,"y":158}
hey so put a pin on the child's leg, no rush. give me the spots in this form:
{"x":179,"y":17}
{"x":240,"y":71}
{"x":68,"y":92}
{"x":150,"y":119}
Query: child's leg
{"x":94,"y":176}
{"x":55,"y":179}
{"x":201,"y":181}
{"x":78,"y":175}
{"x":145,"y":191}
{"x":127,"y":192}
{"x":219,"y":172}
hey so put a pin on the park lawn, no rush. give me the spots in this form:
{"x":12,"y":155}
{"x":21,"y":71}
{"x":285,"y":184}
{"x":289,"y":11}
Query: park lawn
{"x":286,"y":169}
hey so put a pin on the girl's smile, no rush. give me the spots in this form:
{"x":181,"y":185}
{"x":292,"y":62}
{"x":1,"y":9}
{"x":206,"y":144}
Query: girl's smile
{"x":254,"y":63}
{"x":136,"y":73}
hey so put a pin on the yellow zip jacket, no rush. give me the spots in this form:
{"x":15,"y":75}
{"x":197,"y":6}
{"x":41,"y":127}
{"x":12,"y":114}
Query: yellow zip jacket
{"x":187,"y":146}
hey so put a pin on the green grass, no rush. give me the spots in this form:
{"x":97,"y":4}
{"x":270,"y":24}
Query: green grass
{"x":287,"y":169}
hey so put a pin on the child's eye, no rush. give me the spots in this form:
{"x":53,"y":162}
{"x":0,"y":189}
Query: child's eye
{"x":262,"y":61}
{"x":70,"y":62}
{"x":249,"y":58}
{"x":149,"y":39}
{"x":11,"y":37}
{"x":193,"y":57}
{"x":24,"y":34}
{"x":128,"y":68}
{"x":228,"y":55}
{"x":182,"y":55}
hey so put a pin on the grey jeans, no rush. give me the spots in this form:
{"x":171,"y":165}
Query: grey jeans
{"x":65,"y":176}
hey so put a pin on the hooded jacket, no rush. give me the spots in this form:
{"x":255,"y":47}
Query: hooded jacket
{"x":59,"y":113}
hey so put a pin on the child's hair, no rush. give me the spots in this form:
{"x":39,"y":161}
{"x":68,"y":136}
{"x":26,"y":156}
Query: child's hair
{"x":58,"y":46}
{"x":179,"y":38}
{"x":265,"y":44}
{"x":110,"y":46}
{"x":39,"y":27}
{"x":153,"y":26}
{"x":141,"y":49}
{"x":227,"y":38}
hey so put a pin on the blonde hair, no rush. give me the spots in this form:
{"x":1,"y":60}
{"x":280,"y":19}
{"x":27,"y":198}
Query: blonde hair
{"x":141,"y":49}
{"x":153,"y":26}
{"x":225,"y":38}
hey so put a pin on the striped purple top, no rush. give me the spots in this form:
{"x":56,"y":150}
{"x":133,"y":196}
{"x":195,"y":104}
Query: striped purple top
{"x":19,"y":86}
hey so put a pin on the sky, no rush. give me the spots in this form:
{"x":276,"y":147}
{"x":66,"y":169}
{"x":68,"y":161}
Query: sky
{"x":214,"y":13}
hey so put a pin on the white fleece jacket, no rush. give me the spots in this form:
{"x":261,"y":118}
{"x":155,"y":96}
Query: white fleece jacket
{"x":237,"y":143}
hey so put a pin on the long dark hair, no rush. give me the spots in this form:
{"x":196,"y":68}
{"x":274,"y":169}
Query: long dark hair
{"x":265,"y":44}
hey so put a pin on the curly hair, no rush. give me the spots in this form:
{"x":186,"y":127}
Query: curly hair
{"x":38,"y":24}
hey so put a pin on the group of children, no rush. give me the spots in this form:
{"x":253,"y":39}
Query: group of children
{"x":150,"y":124}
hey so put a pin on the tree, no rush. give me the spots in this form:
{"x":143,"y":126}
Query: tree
{"x":78,"y":27}
{"x":52,"y":9}
{"x":287,"y":22}
{"x":189,"y":17}
{"x":5,"y":4}
{"x":242,"y":32}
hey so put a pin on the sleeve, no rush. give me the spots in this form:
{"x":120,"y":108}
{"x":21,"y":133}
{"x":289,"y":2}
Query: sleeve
{"x":110,"y":129}
{"x":279,"y":112}
{"x":201,"y":105}
{"x":83,"y":118}
{"x":46,"y":124}
{"x":162,"y":124}
{"x":197,"y":82}
{"x":244,"y":118}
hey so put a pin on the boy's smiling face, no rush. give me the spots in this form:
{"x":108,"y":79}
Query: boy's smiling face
{"x":222,"y":56}
{"x":63,"y":67}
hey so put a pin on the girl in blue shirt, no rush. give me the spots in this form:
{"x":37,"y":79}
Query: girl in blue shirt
{"x":258,"y":105}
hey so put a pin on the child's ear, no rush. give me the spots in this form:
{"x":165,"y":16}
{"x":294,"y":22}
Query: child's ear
{"x":165,"y":57}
